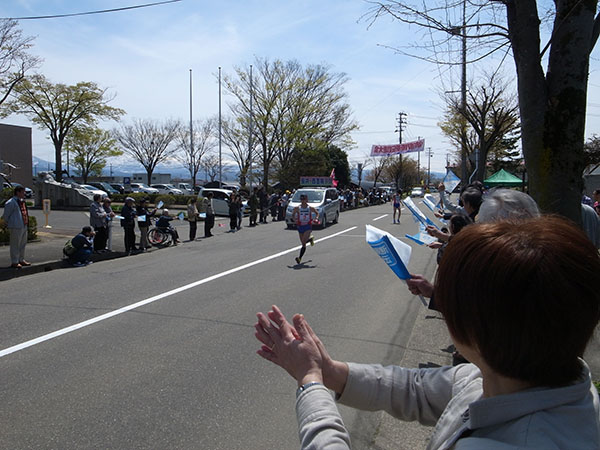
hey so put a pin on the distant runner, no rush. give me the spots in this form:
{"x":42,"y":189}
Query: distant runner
{"x":303,"y":215}
{"x":396,"y":203}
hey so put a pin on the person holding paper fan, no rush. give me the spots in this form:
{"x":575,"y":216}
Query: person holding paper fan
{"x":144,"y":215}
{"x":303,"y":216}
{"x":164,"y":224}
{"x":520,"y":302}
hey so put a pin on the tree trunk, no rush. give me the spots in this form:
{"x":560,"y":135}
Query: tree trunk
{"x":553,"y":107}
{"x":149,"y":174}
{"x":58,"y":160}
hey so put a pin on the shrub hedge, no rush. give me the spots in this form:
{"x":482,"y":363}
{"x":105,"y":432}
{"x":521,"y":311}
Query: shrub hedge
{"x":167,"y":199}
{"x":31,"y":231}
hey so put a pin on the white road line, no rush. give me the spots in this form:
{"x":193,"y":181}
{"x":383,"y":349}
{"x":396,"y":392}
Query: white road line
{"x":380,"y":217}
{"x":87,"y":323}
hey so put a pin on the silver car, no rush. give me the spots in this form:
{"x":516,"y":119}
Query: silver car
{"x":221,"y":201}
{"x":324,"y":200}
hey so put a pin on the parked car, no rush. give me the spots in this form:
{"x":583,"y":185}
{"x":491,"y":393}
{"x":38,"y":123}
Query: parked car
{"x":12,"y":185}
{"x":119,"y":187}
{"x":417,"y":192}
{"x":221,"y":201}
{"x":167,"y":189}
{"x":141,"y":187}
{"x":185,"y":187}
{"x":324,"y":200}
{"x":94,"y":190}
{"x":104,"y":187}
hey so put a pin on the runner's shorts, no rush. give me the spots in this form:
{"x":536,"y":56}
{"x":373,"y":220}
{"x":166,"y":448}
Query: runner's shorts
{"x":304,"y":228}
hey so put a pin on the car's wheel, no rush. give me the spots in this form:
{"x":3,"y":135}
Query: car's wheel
{"x":337,"y":215}
{"x":289,"y":227}
{"x":324,"y":222}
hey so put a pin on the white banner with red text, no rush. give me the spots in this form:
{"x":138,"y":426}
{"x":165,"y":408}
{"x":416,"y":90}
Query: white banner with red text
{"x":396,"y":149}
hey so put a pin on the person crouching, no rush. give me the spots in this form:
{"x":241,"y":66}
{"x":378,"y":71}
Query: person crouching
{"x":83,"y":243}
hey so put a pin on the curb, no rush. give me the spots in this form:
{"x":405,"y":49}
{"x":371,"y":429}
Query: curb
{"x":10,"y":273}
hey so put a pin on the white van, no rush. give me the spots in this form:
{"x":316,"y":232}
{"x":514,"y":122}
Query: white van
{"x":324,"y":200}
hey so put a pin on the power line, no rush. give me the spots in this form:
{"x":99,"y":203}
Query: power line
{"x":55,"y":16}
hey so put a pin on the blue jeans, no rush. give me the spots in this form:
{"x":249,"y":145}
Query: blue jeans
{"x":81,"y":256}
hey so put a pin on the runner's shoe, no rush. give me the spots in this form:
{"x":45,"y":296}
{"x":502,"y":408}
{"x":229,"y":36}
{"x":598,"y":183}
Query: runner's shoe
{"x":297,"y":260}
{"x":311,"y":239}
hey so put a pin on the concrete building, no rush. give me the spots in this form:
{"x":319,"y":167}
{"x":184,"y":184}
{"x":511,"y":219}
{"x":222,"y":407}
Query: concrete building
{"x":15,"y":153}
{"x":157,"y":178}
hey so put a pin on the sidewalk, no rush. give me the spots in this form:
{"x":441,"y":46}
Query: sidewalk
{"x":46,"y":253}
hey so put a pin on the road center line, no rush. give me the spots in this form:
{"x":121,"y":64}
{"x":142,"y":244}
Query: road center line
{"x":147,"y":301}
{"x":380,"y":217}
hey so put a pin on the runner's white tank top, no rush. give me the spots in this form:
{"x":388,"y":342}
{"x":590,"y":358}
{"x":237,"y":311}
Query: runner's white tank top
{"x":304,"y":216}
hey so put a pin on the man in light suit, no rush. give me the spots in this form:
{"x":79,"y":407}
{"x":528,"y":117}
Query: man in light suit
{"x":17,"y":218}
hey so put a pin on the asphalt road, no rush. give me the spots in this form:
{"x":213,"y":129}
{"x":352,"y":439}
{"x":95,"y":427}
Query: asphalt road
{"x":180,"y":372}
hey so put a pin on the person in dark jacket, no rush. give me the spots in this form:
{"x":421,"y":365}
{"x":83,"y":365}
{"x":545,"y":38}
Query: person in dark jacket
{"x":143,"y":212}
{"x":83,"y":243}
{"x":253,"y":203}
{"x":128,"y":223}
{"x":263,"y":203}
{"x":234,"y":207}
{"x":164,"y":224}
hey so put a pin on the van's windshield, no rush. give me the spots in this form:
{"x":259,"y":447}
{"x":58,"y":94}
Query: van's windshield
{"x":313,"y":196}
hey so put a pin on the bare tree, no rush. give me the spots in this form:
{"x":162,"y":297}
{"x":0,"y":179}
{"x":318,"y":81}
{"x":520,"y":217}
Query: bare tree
{"x":493,"y":115}
{"x":15,"y":60}
{"x":148,"y":142}
{"x":210,"y":164}
{"x":191,"y":150}
{"x":552,"y":101}
{"x":379,"y":164}
{"x":293,"y":107}
{"x":235,"y":136}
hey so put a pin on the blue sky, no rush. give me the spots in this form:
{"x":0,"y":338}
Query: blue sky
{"x":144,"y":57}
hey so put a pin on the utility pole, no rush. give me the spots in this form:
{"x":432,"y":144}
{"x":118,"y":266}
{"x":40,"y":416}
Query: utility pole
{"x":419,"y":164}
{"x":192,"y":153}
{"x":429,"y":155}
{"x":250,"y":130}
{"x":463,"y":99}
{"x":220,"y":136}
{"x":400,"y":126}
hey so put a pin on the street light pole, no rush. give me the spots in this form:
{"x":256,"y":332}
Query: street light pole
{"x":220,"y":136}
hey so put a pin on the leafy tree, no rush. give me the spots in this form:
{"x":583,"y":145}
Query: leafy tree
{"x":59,"y":107}
{"x":90,"y":148}
{"x":305,"y":161}
{"x":552,"y":101}
{"x":191,"y":152}
{"x":402,"y":172}
{"x":148,"y":142}
{"x":592,"y":150}
{"x":338,"y":160}
{"x":15,"y":60}
{"x":316,"y":160}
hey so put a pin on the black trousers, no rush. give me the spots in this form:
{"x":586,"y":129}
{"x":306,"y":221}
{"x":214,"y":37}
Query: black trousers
{"x":209,"y":222}
{"x":129,"y":238}
{"x":193,"y":228}
{"x":264,"y":212}
{"x":100,"y":238}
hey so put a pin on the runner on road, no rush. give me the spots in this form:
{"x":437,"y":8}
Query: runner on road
{"x":303,"y":215}
{"x":396,"y":202}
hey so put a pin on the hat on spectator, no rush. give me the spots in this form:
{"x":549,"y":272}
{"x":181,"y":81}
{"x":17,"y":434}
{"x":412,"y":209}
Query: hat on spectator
{"x":129,"y":199}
